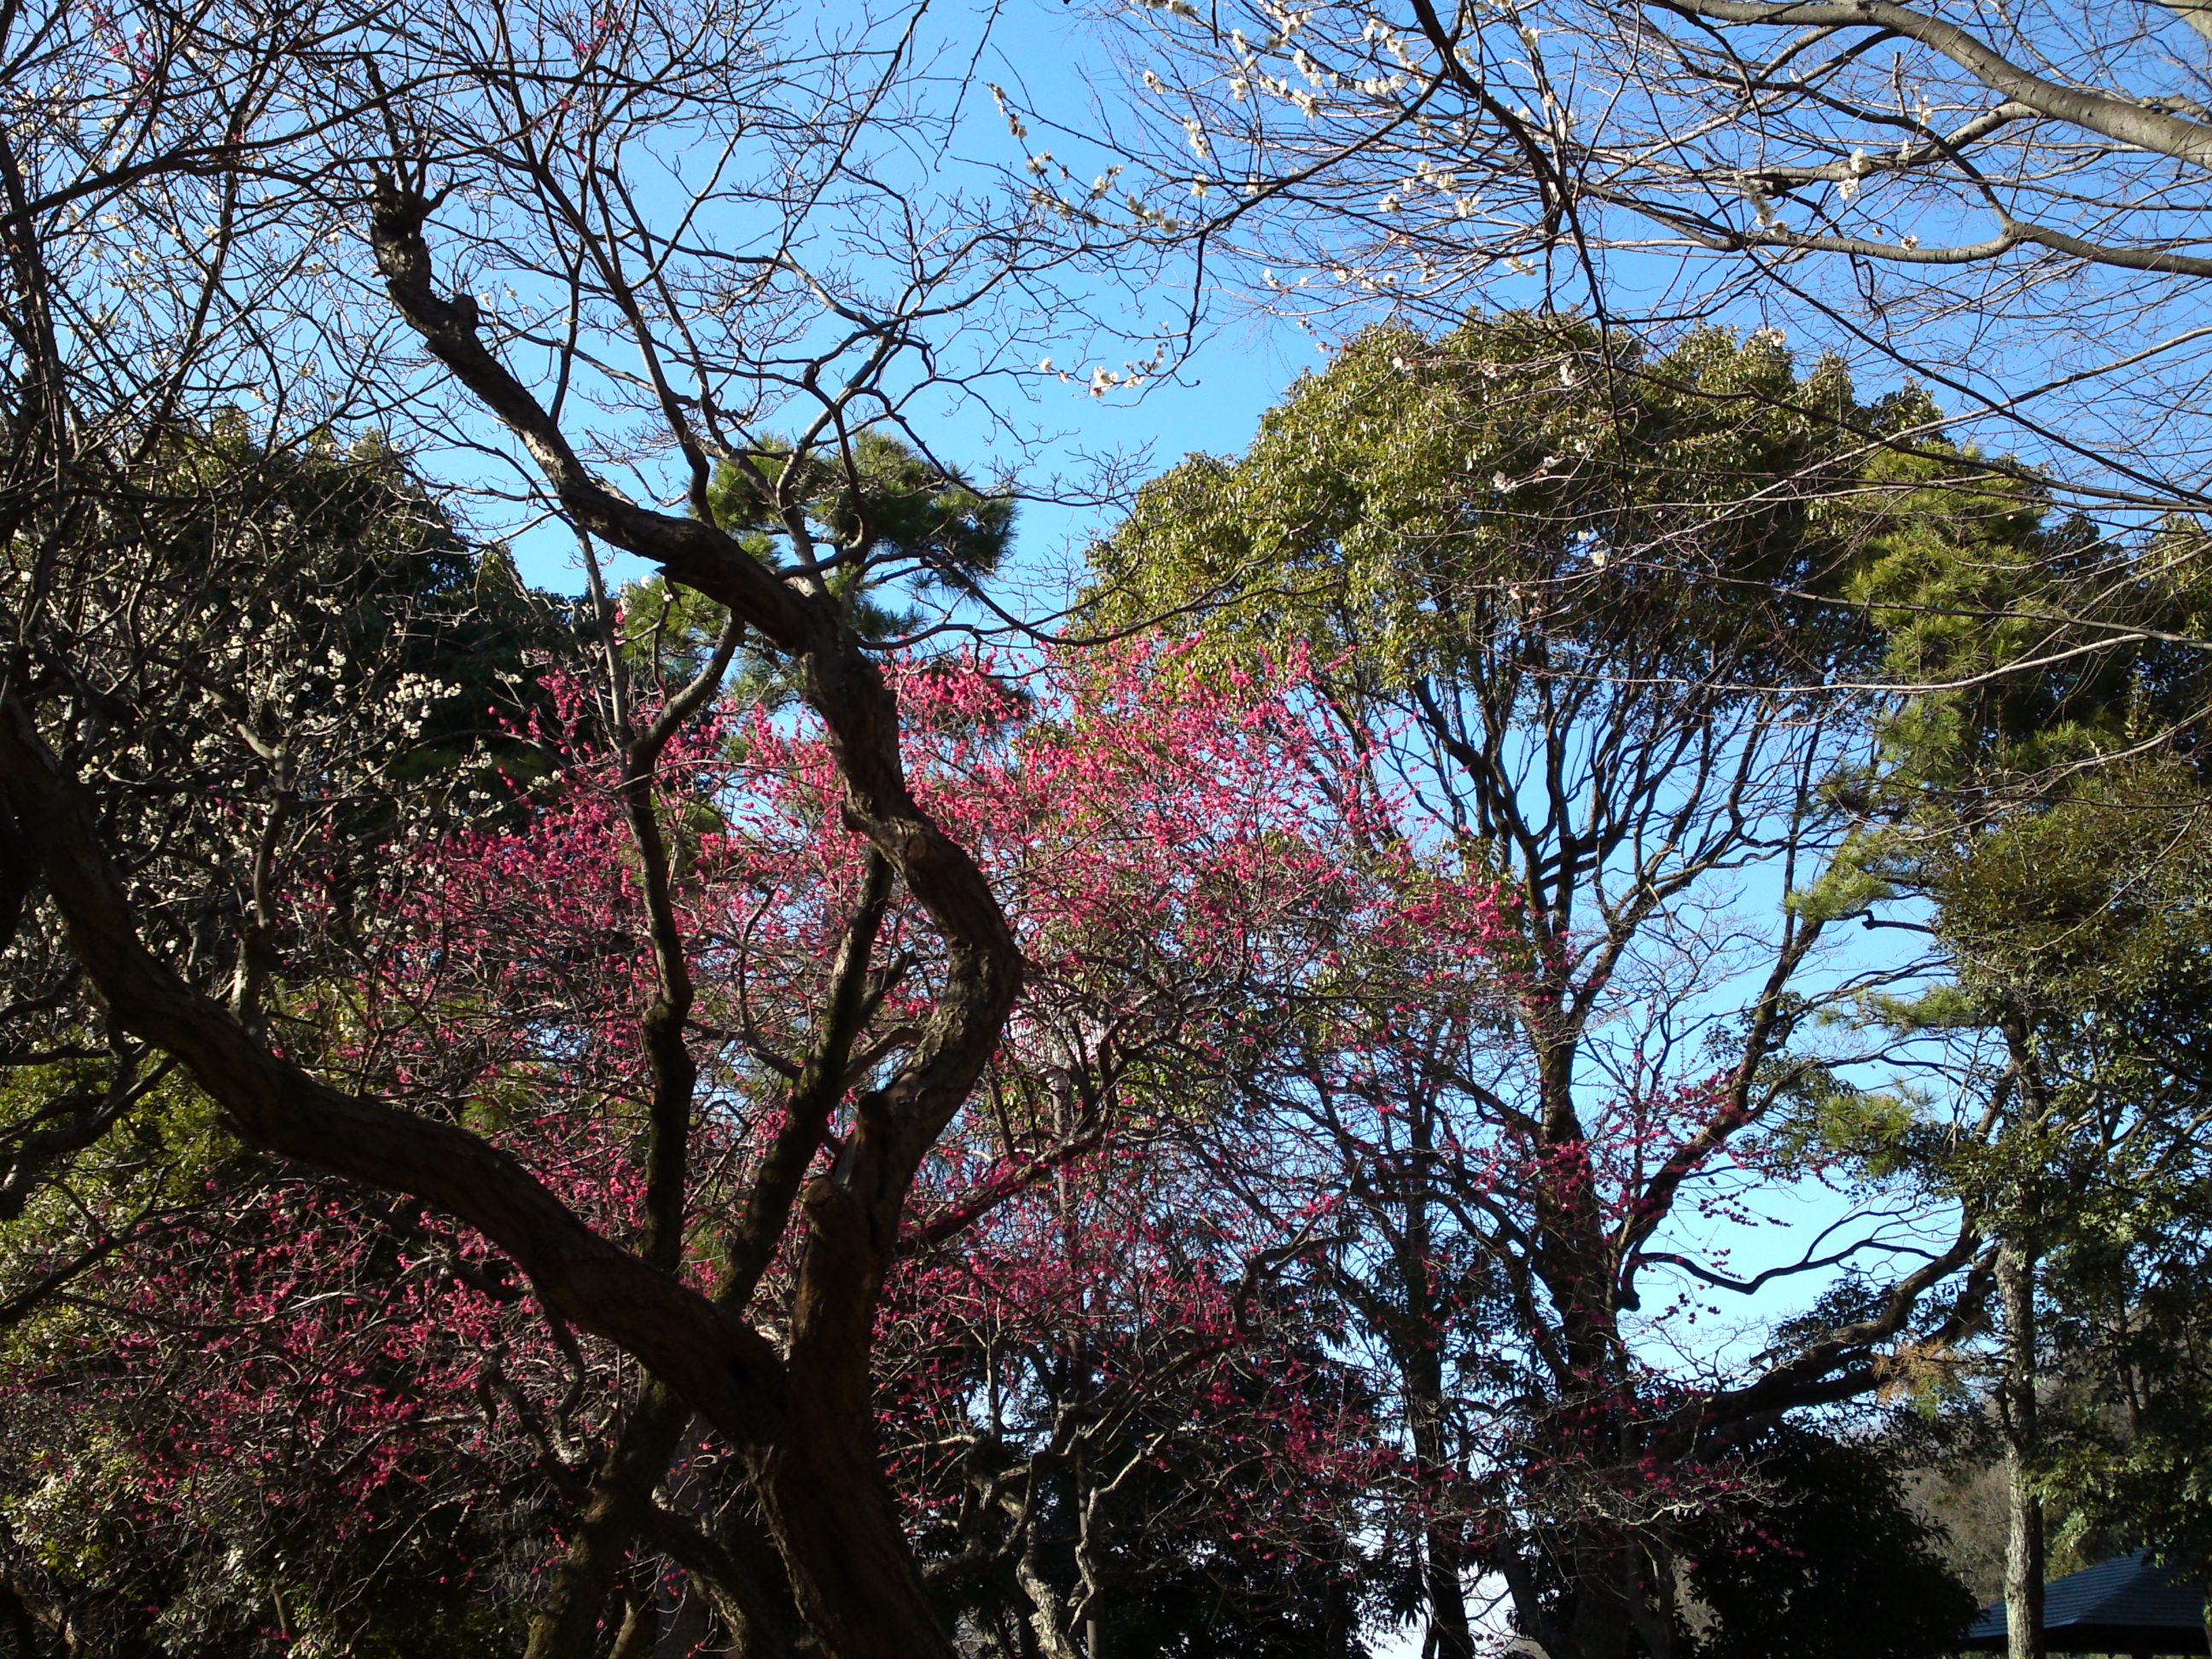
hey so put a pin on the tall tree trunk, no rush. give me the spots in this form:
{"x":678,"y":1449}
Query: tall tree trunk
{"x":1604,"y":1622}
{"x":1450,"y":1636}
{"x":1420,"y":1370}
{"x":823,"y":1493}
{"x":641,"y":1624}
{"x":1442,"y":1557}
{"x":567,"y":1627}
{"x":2024,"y":1562}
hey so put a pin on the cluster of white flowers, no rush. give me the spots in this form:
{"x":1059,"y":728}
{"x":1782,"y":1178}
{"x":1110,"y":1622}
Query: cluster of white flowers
{"x":1762,"y":206}
{"x":1857,"y":168}
{"x":1015,"y":124}
{"x":1248,"y":52}
{"x":1102,"y":379}
{"x":1145,"y":213}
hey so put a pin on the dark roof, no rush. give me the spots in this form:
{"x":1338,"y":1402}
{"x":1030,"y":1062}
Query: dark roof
{"x":2124,"y":1605}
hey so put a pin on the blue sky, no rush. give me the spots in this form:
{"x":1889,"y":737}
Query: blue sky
{"x":1214,"y":405}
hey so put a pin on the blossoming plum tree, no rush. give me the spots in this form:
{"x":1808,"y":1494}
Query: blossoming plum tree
{"x":1158,"y":1375}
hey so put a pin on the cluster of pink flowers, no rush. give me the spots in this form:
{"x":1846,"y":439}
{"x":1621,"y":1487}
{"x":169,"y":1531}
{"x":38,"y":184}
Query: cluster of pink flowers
{"x":1221,"y":899}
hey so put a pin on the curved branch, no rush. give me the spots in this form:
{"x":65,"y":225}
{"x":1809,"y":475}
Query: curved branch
{"x":2123,"y":120}
{"x":726,"y":1370}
